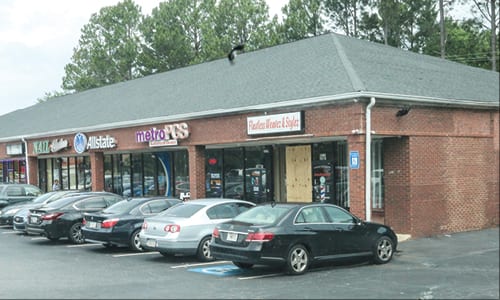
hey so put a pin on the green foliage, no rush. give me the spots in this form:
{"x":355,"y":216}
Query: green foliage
{"x":108,"y":49}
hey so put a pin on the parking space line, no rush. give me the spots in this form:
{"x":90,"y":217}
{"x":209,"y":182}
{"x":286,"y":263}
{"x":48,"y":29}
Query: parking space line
{"x":135,"y":254}
{"x":201,"y":264}
{"x":38,"y":238}
{"x":5,"y":232}
{"x":82,"y":245}
{"x":260,"y":276}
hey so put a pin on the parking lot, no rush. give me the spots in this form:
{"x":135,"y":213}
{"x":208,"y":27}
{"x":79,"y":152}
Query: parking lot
{"x":463,"y":265}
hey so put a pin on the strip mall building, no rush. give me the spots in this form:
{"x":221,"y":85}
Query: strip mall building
{"x":393,"y":136}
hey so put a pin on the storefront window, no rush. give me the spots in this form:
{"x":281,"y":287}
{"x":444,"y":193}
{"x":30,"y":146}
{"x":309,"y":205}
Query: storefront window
{"x":181,"y":172}
{"x":234,"y":173}
{"x":377,"y":175}
{"x":214,"y":173}
{"x":258,"y":174}
{"x":341,"y":175}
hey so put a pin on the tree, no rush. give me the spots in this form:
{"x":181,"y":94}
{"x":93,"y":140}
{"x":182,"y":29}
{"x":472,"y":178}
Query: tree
{"x":51,"y":95}
{"x":490,"y":12}
{"x":172,"y":35}
{"x":302,"y":19}
{"x":345,"y":14}
{"x":108,"y":49}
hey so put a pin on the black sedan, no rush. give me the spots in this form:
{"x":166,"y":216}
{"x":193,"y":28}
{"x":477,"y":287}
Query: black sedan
{"x":295,"y":235}
{"x":64,"y":217}
{"x":120,"y":224}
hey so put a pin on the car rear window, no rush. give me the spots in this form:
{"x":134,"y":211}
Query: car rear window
{"x":182,"y":210}
{"x":262,"y":215}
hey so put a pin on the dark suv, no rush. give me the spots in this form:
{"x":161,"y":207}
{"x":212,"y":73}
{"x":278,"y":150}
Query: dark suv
{"x":63,"y":217}
{"x":11,"y":193}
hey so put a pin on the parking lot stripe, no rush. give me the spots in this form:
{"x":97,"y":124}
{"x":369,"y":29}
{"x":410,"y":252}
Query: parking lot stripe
{"x":135,"y":254}
{"x":260,"y":276}
{"x":200,"y":264}
{"x":83,"y":245}
{"x":4,"y":232}
{"x":38,"y":238}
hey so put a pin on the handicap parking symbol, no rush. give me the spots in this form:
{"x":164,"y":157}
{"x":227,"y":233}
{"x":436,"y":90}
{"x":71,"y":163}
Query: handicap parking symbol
{"x":222,"y":270}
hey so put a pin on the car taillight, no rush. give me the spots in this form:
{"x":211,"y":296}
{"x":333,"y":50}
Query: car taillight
{"x":145,"y":225}
{"x":109,"y":223}
{"x":172,"y":228}
{"x":215,"y":233}
{"x":52,"y":216}
{"x":84,"y":222}
{"x":259,"y":237}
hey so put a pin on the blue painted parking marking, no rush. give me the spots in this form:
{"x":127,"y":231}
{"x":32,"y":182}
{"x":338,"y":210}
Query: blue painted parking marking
{"x":222,"y":270}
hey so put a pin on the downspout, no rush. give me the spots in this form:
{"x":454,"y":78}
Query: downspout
{"x":26,"y":158}
{"x":368,"y":160}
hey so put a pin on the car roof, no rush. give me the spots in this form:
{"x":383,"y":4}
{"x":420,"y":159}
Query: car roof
{"x":214,"y":201}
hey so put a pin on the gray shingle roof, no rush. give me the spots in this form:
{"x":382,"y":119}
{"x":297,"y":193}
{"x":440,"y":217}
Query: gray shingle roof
{"x":331,"y":66}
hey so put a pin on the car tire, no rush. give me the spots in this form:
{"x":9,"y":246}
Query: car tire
{"x":383,"y":250}
{"x":242,"y":265}
{"x":75,"y":233}
{"x":203,"y":252}
{"x":135,"y":243}
{"x":298,"y":260}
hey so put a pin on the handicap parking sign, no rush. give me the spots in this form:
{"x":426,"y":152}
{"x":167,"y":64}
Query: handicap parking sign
{"x":221,"y":270}
{"x":354,"y":159}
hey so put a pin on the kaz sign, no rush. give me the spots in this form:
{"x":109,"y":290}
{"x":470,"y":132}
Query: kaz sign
{"x":272,"y":124}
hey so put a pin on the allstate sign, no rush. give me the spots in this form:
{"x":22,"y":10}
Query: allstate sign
{"x":82,"y":143}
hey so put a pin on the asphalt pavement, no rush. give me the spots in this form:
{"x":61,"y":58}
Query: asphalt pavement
{"x":456,"y":266}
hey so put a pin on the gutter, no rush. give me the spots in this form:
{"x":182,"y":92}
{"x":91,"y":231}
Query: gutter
{"x":368,"y":160}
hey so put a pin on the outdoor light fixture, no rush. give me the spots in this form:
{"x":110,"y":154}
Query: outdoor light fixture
{"x":403,"y":111}
{"x":232,"y":54}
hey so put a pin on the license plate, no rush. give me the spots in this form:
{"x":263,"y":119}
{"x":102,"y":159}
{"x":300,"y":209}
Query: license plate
{"x":151,"y":243}
{"x":34,"y":220}
{"x":232,"y":237}
{"x":93,"y":225}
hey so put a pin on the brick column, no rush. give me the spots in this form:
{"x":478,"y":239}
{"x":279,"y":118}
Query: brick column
{"x":33,"y":170}
{"x":357,"y":177}
{"x":97,"y":170}
{"x":197,"y":171}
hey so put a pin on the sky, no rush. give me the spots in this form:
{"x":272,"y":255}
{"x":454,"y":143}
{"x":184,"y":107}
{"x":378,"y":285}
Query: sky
{"x":37,"y":39}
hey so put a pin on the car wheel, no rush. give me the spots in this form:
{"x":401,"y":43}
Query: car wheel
{"x":297,"y":260}
{"x":383,"y":250}
{"x":203,"y":252}
{"x":135,"y":242}
{"x":75,"y":233}
{"x":242,"y":265}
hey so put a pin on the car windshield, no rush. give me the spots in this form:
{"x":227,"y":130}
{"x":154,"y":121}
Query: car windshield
{"x":182,"y":210}
{"x":121,"y":207}
{"x":262,"y":215}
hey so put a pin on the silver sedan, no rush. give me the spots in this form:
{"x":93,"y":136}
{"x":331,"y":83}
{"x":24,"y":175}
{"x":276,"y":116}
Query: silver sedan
{"x":186,"y":229}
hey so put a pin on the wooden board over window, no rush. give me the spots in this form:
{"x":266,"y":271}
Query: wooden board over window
{"x":298,"y":174}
